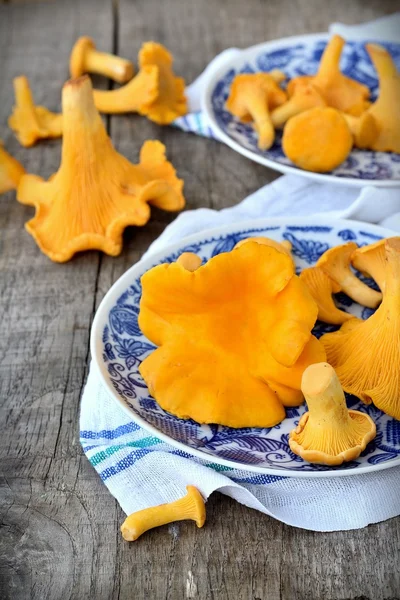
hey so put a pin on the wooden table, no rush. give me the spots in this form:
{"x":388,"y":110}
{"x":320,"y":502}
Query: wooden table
{"x":60,"y":526}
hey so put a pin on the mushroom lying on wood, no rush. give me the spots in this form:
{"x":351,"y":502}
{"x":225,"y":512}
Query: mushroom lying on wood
{"x":329,"y":433}
{"x":29,"y":122}
{"x":86,"y":59}
{"x":96,"y":192}
{"x":190,"y":506}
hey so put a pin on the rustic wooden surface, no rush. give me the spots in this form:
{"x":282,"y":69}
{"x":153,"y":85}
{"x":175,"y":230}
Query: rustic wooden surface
{"x":59,"y":534}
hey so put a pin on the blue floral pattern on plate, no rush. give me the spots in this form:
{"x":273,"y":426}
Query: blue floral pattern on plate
{"x":302,"y":59}
{"x":124,"y":347}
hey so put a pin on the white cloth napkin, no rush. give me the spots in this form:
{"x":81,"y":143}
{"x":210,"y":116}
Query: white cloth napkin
{"x":142,"y":471}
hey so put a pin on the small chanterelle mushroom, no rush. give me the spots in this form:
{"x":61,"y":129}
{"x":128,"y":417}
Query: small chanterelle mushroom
{"x":322,"y":287}
{"x":190,"y":506}
{"x":11,"y":171}
{"x":366,"y":354}
{"x":329,"y":433}
{"x":370,"y":260}
{"x":386,"y":109}
{"x":305,"y":96}
{"x":336,"y":263}
{"x":251,"y":98}
{"x":86,"y":59}
{"x":31,"y":123}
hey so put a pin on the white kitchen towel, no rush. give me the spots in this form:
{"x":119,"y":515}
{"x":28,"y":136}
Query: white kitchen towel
{"x":142,"y":471}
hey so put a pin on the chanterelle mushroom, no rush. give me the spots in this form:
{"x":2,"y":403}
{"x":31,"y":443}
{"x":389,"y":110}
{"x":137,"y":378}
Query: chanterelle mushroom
{"x":132,"y":97}
{"x":86,"y":59}
{"x":329,"y":433}
{"x":96,"y":192}
{"x":304,"y":96}
{"x":11,"y":171}
{"x":322,"y":287}
{"x":336,"y":263}
{"x":371,"y":261}
{"x":283,"y":246}
{"x":365,"y":129}
{"x":366,"y":356}
{"x":29,"y":122}
{"x":386,"y":109}
{"x":339,"y":91}
{"x":190,"y":506}
{"x":251,"y":98}
{"x":170,"y":102}
{"x":317,"y":139}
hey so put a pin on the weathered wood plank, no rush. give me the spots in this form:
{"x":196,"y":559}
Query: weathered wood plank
{"x":48,"y":538}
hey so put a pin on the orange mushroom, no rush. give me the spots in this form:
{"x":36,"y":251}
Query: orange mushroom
{"x":329,"y":433}
{"x":190,"y":506}
{"x":141,"y":91}
{"x":96,"y":192}
{"x":283,"y":246}
{"x":317,"y":139}
{"x":304,"y":97}
{"x":11,"y":171}
{"x":189,"y":261}
{"x":251,"y":98}
{"x":366,"y":354}
{"x":29,"y":122}
{"x":86,"y":59}
{"x":246,"y":315}
{"x":170,"y":102}
{"x":336,"y":264}
{"x":371,"y":261}
{"x":386,"y":109}
{"x":364,"y":129}
{"x":322,"y":287}
{"x":339,"y":91}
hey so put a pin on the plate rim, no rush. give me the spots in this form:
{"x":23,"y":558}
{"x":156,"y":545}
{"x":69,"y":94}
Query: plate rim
{"x":206,"y":108}
{"x":119,"y":287}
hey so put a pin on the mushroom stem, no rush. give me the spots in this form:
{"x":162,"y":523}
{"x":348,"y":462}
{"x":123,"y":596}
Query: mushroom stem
{"x":189,"y":261}
{"x":329,"y":433}
{"x":140,"y":91}
{"x":86,"y":59}
{"x":256,"y":105}
{"x":331,"y":57}
{"x":114,"y":67}
{"x":190,"y":506}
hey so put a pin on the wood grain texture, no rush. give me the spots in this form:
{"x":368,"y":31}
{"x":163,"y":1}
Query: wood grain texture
{"x":59,"y":535}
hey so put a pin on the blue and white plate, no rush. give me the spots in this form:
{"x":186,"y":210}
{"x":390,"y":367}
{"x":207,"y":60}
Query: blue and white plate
{"x":298,"y":56}
{"x":118,"y":347}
